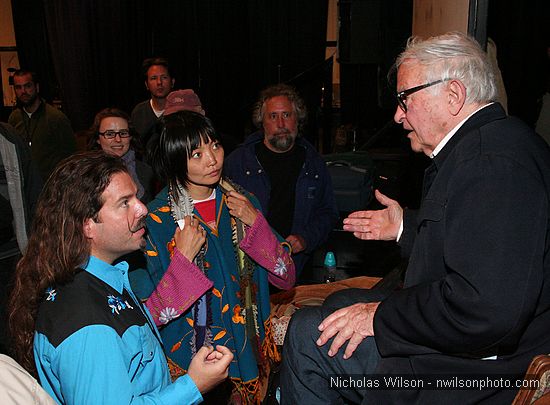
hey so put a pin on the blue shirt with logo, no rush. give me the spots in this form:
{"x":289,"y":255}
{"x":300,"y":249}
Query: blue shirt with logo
{"x":95,"y":344}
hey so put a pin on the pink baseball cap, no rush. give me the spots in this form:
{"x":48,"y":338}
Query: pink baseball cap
{"x":180,"y":100}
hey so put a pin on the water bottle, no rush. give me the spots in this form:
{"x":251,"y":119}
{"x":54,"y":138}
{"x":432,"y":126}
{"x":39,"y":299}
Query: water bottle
{"x":330,"y":268}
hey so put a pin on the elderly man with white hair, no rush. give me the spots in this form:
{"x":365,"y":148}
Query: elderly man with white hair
{"x":475,"y":306}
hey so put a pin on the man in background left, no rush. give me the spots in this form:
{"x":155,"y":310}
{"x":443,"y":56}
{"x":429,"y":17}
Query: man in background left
{"x":46,"y":129}
{"x":20,"y":185}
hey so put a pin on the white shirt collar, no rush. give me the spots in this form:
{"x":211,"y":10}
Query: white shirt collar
{"x":453,"y":131}
{"x":212,"y":197}
{"x":158,"y":113}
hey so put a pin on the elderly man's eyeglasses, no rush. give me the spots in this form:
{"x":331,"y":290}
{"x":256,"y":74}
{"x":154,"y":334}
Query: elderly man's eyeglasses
{"x":402,"y":95}
{"x":123,"y":133}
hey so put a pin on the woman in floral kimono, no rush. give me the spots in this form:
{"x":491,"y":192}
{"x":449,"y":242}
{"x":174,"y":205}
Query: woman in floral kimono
{"x":211,"y":255}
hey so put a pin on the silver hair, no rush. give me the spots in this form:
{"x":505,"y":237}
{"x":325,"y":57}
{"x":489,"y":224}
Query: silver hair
{"x":277,"y":90}
{"x":454,"y":56}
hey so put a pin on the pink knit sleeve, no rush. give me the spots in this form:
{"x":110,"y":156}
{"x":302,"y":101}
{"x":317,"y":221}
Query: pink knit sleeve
{"x":261,"y":244}
{"x":182,"y":284}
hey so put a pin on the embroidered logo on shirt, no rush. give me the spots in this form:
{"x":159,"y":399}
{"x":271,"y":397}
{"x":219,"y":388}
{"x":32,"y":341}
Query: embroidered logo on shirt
{"x":51,"y":294}
{"x":117,"y":304}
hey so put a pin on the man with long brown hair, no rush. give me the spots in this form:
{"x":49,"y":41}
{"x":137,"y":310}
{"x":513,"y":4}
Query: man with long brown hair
{"x":93,"y":342}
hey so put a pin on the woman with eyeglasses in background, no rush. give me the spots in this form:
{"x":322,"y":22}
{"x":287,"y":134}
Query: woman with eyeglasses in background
{"x":113,"y":133}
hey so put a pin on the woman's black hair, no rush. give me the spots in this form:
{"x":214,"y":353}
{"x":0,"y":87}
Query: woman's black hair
{"x":181,"y":133}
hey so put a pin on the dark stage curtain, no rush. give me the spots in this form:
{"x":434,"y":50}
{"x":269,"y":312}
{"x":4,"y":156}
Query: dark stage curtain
{"x":95,"y":47}
{"x":368,"y":99}
{"x":522,"y":36}
{"x":33,"y":44}
{"x":226,"y":50}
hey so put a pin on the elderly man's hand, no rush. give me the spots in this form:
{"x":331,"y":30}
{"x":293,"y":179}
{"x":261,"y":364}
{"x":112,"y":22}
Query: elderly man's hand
{"x":376,"y":225}
{"x":352,"y":324}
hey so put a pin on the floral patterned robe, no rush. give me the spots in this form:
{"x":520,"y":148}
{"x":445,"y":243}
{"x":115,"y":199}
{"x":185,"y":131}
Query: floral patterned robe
{"x":180,"y":283}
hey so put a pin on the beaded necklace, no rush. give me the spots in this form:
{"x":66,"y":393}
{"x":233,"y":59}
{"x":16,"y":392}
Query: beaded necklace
{"x":185,"y":207}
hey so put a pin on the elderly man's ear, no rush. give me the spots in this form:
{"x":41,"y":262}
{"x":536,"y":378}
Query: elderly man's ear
{"x":456,"y":96}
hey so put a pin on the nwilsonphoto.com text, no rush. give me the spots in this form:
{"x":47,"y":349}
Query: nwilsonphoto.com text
{"x":433,"y":382}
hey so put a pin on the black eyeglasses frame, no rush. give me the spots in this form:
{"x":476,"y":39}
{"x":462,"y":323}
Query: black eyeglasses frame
{"x":110,"y":134}
{"x":402,"y":95}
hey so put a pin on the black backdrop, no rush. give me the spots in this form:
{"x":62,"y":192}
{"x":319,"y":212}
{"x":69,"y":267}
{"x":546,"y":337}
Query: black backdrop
{"x":521,"y":31}
{"x":89,"y":53}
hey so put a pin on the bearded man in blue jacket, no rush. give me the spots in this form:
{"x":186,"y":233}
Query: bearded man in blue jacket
{"x":285,"y":173}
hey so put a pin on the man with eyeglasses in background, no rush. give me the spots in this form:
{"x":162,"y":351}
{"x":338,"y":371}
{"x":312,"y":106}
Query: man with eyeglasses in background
{"x":46,"y":129}
{"x":475,"y":306}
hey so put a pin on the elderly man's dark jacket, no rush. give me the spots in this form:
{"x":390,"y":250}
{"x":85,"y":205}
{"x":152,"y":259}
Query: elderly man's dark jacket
{"x":478,"y":280}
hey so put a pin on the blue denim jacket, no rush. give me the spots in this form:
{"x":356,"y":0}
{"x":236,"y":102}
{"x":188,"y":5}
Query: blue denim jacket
{"x":315,"y":212}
